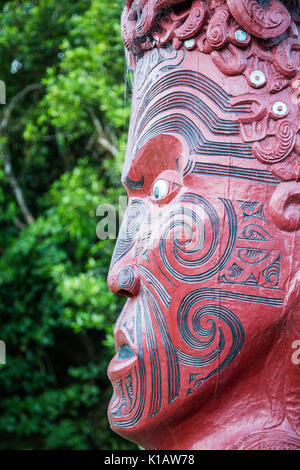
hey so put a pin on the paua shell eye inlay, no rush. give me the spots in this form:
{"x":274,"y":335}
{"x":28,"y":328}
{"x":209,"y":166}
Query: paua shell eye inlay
{"x":258,"y":78}
{"x":160,"y":189}
{"x":280,"y":109}
{"x":240,"y":35}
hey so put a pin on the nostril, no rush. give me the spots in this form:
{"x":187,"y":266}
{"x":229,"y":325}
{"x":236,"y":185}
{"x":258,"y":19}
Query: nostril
{"x":126,"y":293}
{"x":126,"y":278}
{"x":128,"y":281}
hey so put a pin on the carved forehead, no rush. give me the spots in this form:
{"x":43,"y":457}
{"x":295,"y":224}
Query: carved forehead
{"x":220,"y":41}
{"x":185,"y":95}
{"x":173,"y":96}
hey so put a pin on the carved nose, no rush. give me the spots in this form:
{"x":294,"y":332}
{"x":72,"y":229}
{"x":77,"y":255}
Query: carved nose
{"x":125,"y":282}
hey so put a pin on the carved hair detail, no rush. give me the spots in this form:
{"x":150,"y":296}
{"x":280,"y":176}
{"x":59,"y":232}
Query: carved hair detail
{"x":254,"y":38}
{"x":150,"y":23}
{"x":264,"y":23}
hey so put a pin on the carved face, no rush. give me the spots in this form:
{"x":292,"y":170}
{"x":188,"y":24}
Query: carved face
{"x":198,"y":256}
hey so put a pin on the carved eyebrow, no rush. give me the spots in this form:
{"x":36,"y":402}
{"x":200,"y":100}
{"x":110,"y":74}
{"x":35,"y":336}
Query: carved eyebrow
{"x":134,"y":184}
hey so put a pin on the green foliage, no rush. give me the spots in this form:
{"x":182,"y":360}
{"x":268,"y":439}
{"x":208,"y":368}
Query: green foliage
{"x":56,"y":313}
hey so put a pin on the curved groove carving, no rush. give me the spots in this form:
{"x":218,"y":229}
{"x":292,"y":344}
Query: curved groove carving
{"x":262,"y":22}
{"x":194,"y":22}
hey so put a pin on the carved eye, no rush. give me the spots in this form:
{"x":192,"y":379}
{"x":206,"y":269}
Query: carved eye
{"x":160,"y":189}
{"x":164,"y":190}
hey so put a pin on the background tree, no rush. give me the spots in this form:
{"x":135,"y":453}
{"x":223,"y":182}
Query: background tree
{"x":62,"y":140}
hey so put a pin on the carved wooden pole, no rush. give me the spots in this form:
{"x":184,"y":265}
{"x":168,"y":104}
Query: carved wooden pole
{"x":209,"y":250}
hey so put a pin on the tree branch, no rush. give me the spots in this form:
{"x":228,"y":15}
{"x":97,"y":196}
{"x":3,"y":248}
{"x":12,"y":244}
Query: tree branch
{"x":101,"y":137}
{"x":19,"y":96}
{"x":5,"y":154}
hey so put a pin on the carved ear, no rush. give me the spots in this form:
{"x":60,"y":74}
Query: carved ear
{"x":285,"y":206}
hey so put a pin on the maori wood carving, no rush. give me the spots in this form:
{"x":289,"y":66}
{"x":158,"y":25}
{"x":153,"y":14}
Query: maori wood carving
{"x":208,"y":252}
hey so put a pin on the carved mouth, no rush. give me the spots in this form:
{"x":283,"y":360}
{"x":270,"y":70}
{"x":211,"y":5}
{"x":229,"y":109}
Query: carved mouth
{"x":125,"y":352}
{"x":124,"y":359}
{"x":119,"y":368}
{"x":124,"y":347}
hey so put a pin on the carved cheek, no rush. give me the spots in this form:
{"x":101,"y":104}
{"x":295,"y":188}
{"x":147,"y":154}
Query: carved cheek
{"x":189,"y":249}
{"x":203,"y":336}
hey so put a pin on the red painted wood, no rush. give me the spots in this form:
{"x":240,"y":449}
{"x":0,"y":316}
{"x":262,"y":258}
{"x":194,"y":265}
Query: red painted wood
{"x":208,"y":253}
